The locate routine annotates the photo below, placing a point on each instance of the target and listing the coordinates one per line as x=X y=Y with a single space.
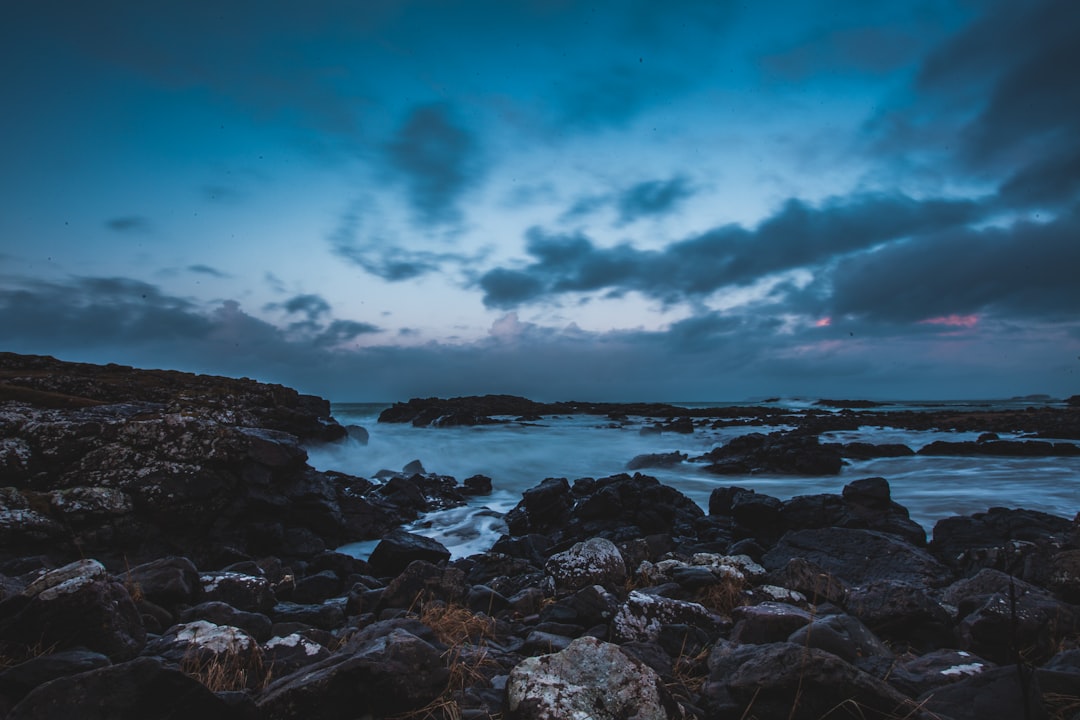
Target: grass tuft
x=235 y=669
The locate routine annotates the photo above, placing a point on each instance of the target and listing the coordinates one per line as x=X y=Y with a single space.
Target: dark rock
x=935 y=669
x=1005 y=693
x=721 y=499
x=652 y=460
x=422 y=582
x=810 y=579
x=775 y=453
x=142 y=689
x=784 y=680
x=17 y=681
x=358 y=433
x=287 y=654
x=244 y=592
x=201 y=643
x=767 y=622
x=74 y=606
x=542 y=508
x=843 y=636
x=476 y=485
x=641 y=616
x=399 y=548
x=859 y=557
x=256 y=625
x=168 y=582
x=594 y=562
x=1005 y=625
x=867 y=451
x=902 y=612
x=326 y=616
x=316 y=588
x=386 y=675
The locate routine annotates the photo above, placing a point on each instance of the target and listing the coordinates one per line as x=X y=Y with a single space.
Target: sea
x=518 y=455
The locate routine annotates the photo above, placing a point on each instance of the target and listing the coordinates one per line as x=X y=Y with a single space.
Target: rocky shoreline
x=166 y=551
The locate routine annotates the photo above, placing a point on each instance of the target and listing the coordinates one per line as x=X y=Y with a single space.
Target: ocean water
x=517 y=456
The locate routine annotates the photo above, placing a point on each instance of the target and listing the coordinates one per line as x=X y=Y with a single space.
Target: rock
x=775 y=453
x=1035 y=624
x=542 y=508
x=902 y=612
x=142 y=689
x=867 y=451
x=843 y=636
x=256 y=625
x=476 y=485
x=594 y=562
x=859 y=557
x=767 y=622
x=422 y=582
x=316 y=587
x=921 y=675
x=358 y=433
x=389 y=674
x=589 y=679
x=864 y=504
x=168 y=581
x=326 y=616
x=17 y=681
x=244 y=592
x=1065 y=575
x=784 y=680
x=811 y=580
x=996 y=528
x=72 y=606
x=660 y=460
x=641 y=617
x=995 y=694
x=286 y=655
x=399 y=548
x=200 y=643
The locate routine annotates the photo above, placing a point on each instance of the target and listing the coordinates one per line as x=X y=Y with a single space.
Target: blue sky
x=560 y=199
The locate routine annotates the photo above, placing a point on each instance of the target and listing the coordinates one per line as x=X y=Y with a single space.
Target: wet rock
x=590 y=679
x=775 y=453
x=476 y=485
x=542 y=508
x=399 y=548
x=653 y=460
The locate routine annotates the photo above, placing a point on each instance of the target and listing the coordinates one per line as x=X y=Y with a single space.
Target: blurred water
x=517 y=456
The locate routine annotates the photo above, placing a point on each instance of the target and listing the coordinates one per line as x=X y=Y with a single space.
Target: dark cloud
x=207 y=270
x=1025 y=270
x=313 y=306
x=999 y=102
x=798 y=235
x=437 y=159
x=654 y=197
x=129 y=224
x=340 y=332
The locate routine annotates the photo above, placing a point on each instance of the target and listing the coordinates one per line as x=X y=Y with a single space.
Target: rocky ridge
x=607 y=598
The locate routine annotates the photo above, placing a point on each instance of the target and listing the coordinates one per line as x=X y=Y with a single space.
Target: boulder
x=250 y=593
x=389 y=674
x=937 y=668
x=168 y=581
x=287 y=654
x=767 y=622
x=641 y=617
x=782 y=453
x=1005 y=693
x=18 y=680
x=842 y=635
x=399 y=548
x=783 y=680
x=903 y=613
x=423 y=582
x=77 y=605
x=859 y=557
x=257 y=625
x=142 y=689
x=594 y=562
x=588 y=679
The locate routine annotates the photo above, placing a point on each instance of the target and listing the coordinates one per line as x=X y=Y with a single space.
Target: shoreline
x=158 y=526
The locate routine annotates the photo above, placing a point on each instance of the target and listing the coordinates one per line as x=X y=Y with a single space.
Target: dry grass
x=234 y=669
x=11 y=656
x=466 y=657
x=1062 y=707
x=722 y=597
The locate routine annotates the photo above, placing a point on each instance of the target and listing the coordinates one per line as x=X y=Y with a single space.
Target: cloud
x=129 y=224
x=312 y=306
x=798 y=235
x=857 y=50
x=1025 y=270
x=437 y=159
x=999 y=103
x=654 y=197
x=207 y=270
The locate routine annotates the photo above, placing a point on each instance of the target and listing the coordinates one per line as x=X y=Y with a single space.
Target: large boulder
x=72 y=606
x=642 y=617
x=858 y=557
x=594 y=562
x=589 y=679
x=389 y=674
x=399 y=548
x=142 y=689
x=775 y=453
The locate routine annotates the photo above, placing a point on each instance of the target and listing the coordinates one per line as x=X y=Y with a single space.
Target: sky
x=609 y=200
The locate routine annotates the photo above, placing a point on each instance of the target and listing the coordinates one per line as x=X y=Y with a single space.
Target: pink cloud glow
x=960 y=321
x=823 y=322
